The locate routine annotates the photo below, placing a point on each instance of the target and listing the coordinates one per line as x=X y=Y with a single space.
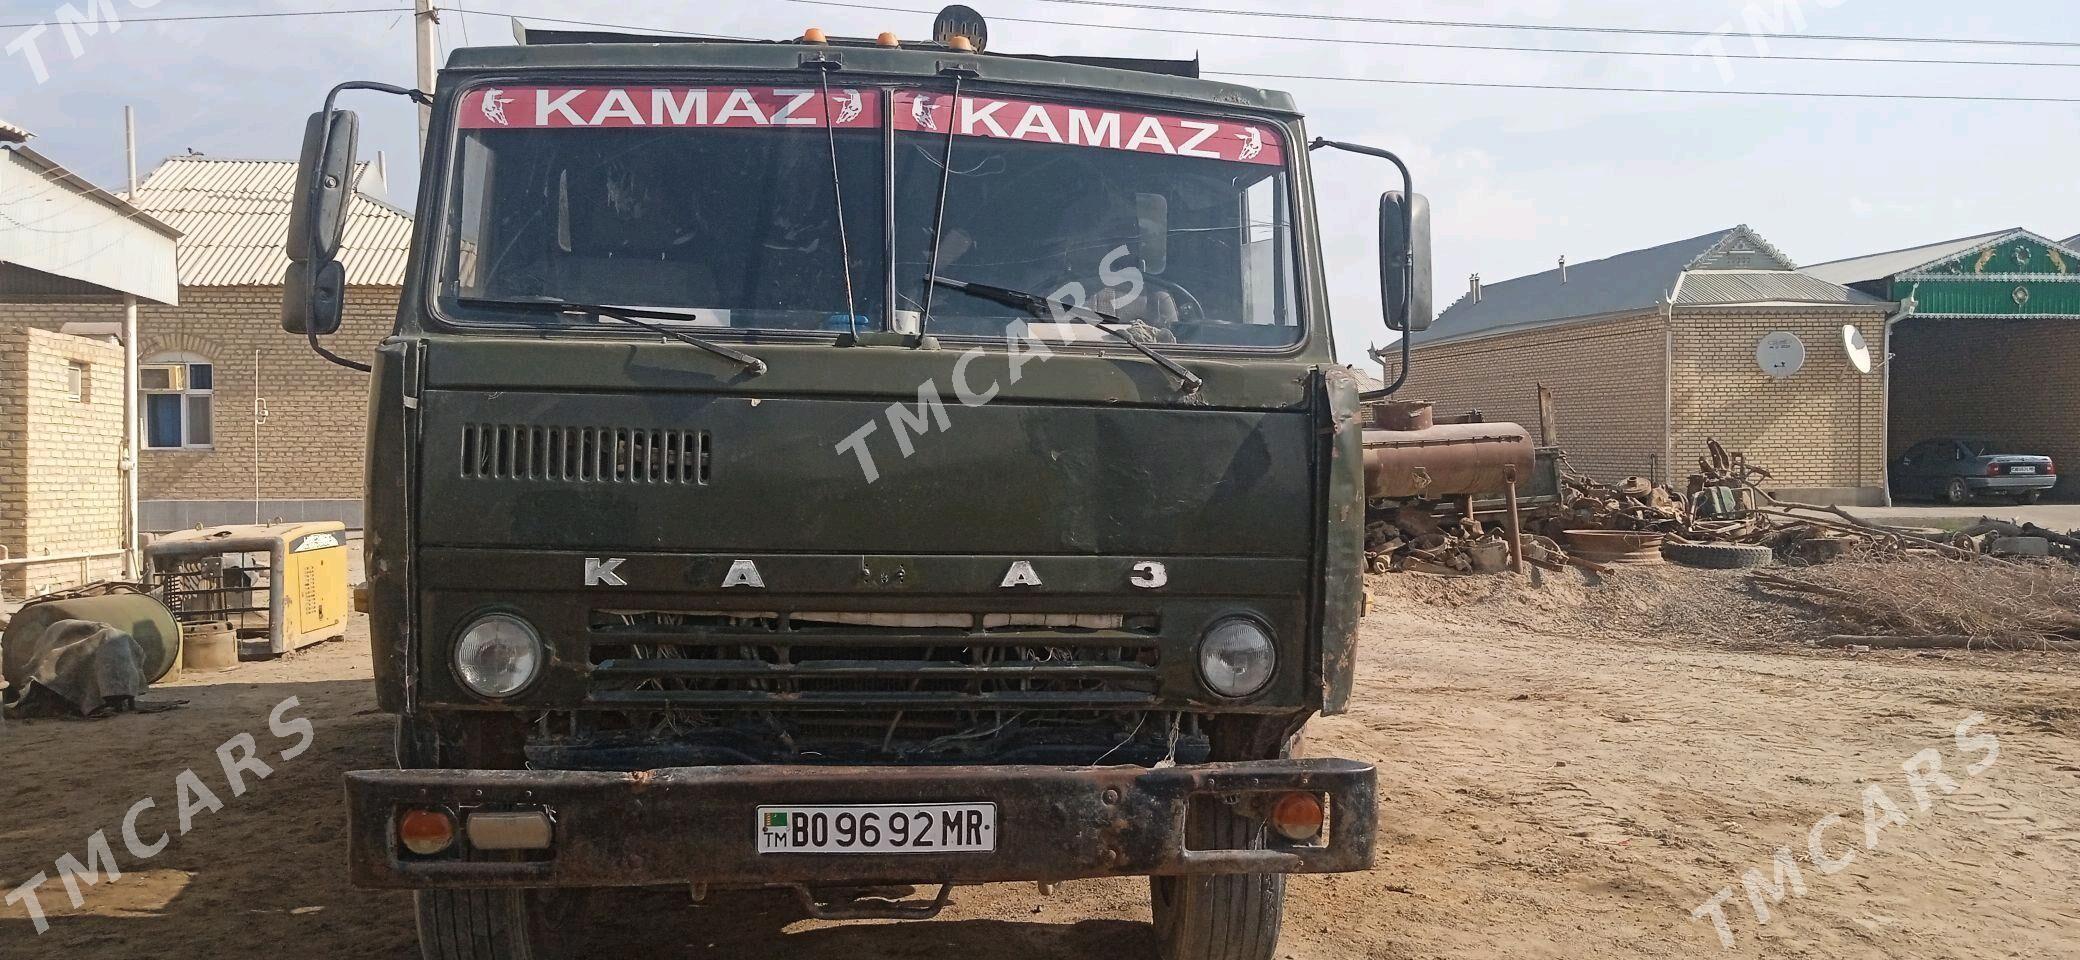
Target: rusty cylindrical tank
x=1446 y=460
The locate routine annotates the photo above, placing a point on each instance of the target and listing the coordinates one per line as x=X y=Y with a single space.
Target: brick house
x=1987 y=342
x=65 y=472
x=61 y=447
x=1650 y=353
x=241 y=421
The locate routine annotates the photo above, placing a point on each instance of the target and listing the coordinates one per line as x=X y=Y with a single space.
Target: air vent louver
x=584 y=454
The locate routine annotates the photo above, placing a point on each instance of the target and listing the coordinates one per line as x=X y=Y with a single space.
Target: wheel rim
x=1958 y=491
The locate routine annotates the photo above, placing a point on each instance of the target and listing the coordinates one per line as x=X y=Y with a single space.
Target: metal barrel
x=1449 y=459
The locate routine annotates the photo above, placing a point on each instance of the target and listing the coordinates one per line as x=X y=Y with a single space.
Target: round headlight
x=498 y=655
x=1236 y=658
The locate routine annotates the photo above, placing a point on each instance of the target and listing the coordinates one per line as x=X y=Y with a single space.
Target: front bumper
x=698 y=824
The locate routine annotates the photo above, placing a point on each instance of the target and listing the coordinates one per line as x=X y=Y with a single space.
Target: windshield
x=721 y=202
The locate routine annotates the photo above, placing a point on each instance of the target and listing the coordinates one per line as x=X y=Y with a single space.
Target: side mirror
x=324 y=175
x=1404 y=261
x=313 y=297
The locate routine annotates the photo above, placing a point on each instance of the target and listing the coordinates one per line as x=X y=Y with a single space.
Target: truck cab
x=825 y=463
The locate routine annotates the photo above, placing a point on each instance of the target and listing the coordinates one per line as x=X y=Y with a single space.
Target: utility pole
x=132 y=565
x=424 y=18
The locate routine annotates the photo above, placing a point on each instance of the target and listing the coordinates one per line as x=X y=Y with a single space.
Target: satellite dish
x=960 y=21
x=1780 y=354
x=1859 y=351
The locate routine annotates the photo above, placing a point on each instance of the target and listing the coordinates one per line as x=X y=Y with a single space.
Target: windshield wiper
x=1043 y=308
x=627 y=315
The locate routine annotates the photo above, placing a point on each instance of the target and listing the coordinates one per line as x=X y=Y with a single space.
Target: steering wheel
x=1189 y=309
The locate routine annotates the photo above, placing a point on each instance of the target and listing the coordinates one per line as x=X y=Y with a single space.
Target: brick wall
x=317 y=413
x=60 y=458
x=1822 y=427
x=2014 y=381
x=1607 y=379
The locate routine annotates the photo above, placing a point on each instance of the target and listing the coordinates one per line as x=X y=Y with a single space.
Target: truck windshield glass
x=1179 y=225
x=720 y=201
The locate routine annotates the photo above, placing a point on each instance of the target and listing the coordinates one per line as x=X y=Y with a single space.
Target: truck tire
x=475 y=925
x=1717 y=556
x=1222 y=917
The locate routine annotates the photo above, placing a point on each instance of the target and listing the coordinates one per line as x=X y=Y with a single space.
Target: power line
x=1552 y=27
x=1432 y=45
x=1583 y=88
x=230 y=16
x=1822 y=94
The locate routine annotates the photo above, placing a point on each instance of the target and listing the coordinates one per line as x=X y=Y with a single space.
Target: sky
x=1516 y=178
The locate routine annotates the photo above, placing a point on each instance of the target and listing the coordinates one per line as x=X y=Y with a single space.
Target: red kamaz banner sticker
x=1004 y=119
x=536 y=108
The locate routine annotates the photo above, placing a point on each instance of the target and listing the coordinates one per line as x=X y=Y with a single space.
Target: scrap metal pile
x=1723 y=503
x=1721 y=517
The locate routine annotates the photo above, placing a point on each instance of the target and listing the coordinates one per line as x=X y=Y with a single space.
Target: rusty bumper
x=698 y=824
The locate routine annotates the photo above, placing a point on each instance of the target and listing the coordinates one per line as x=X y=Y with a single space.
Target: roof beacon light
x=963 y=44
x=814 y=35
x=888 y=39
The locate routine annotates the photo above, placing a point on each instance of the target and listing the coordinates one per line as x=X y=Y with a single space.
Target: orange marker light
x=888 y=39
x=961 y=43
x=1297 y=816
x=426 y=832
x=814 y=35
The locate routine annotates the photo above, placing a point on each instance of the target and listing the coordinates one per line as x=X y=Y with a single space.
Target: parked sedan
x=1957 y=470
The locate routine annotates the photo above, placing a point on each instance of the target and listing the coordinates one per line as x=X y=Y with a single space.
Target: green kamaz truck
x=836 y=464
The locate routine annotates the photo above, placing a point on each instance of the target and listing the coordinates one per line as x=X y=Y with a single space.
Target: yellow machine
x=286 y=582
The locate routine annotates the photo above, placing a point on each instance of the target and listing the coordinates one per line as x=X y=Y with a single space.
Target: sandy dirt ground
x=1564 y=773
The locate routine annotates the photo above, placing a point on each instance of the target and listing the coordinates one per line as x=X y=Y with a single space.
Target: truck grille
x=584 y=454
x=811 y=661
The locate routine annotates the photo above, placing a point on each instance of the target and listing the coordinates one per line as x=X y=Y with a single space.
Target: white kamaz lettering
x=1151 y=131
x=1190 y=148
x=741 y=104
x=785 y=115
x=616 y=104
x=970 y=116
x=1037 y=122
x=664 y=111
x=1083 y=131
x=543 y=107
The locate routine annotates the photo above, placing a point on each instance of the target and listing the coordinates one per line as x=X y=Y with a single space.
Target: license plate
x=2022 y=470
x=889 y=828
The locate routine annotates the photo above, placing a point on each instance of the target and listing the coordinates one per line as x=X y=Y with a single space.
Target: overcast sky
x=1516 y=178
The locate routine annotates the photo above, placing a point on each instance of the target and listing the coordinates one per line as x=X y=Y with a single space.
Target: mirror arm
x=1408 y=260
x=311 y=200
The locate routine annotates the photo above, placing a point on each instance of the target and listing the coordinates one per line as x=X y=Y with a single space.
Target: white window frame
x=78 y=375
x=185 y=390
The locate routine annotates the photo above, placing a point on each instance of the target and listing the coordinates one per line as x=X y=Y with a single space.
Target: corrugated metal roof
x=1762 y=286
x=9 y=133
x=1735 y=265
x=234 y=219
x=2072 y=241
x=1878 y=266
x=55 y=222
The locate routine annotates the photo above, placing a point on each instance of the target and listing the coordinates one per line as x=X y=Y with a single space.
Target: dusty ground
x=1566 y=773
